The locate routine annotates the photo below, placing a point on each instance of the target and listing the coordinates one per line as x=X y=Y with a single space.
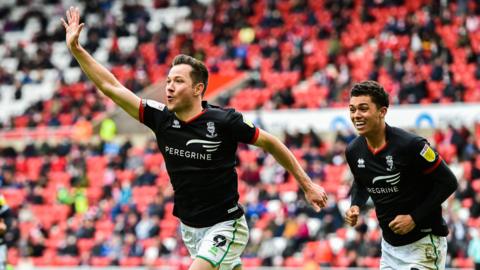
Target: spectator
x=146 y=177
x=69 y=247
x=134 y=249
x=156 y=206
x=86 y=230
x=474 y=248
x=144 y=227
x=100 y=248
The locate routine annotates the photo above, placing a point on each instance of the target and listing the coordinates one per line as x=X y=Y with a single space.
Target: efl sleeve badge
x=427 y=153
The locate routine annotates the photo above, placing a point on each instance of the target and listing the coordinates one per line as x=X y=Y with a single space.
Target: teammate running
x=406 y=179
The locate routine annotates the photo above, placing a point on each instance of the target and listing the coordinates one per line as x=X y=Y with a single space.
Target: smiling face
x=366 y=116
x=181 y=92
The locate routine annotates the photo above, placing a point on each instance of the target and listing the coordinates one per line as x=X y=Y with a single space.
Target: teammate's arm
x=99 y=75
x=314 y=193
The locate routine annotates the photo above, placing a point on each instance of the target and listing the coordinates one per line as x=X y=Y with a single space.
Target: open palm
x=73 y=27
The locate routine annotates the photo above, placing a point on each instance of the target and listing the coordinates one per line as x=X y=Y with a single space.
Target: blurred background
x=87 y=185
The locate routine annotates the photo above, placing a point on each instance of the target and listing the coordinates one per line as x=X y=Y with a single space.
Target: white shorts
x=3 y=256
x=221 y=244
x=429 y=252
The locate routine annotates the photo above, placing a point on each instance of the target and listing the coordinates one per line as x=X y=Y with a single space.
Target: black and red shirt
x=398 y=179
x=200 y=159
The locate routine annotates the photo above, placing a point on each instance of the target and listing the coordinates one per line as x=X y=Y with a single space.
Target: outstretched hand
x=316 y=196
x=73 y=27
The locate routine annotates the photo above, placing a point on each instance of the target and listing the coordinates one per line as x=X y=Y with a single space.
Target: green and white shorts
x=221 y=244
x=429 y=253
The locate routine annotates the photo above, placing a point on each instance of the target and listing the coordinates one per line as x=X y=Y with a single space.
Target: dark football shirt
x=200 y=159
x=396 y=178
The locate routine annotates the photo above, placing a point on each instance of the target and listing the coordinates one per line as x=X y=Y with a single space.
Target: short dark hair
x=372 y=89
x=199 y=71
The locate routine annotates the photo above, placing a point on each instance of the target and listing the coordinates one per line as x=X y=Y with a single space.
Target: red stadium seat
x=42 y=261
x=372 y=262
x=14 y=196
x=85 y=245
x=294 y=262
x=100 y=261
x=130 y=261
x=251 y=262
x=463 y=263
x=66 y=261
x=476 y=185
x=447 y=151
x=12 y=256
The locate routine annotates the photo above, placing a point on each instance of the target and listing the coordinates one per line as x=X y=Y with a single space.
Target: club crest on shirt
x=427 y=153
x=390 y=165
x=211 y=130
x=361 y=163
x=176 y=123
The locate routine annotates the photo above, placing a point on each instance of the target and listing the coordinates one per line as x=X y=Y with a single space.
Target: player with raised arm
x=406 y=179
x=198 y=142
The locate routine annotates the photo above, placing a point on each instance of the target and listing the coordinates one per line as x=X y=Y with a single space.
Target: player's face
x=365 y=115
x=179 y=89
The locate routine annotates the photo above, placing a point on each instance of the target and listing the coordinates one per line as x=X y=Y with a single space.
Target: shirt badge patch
x=248 y=122
x=361 y=163
x=390 y=166
x=155 y=104
x=427 y=153
x=211 y=130
x=176 y=123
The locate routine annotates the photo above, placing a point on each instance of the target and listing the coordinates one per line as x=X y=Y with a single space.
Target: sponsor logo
x=211 y=130
x=210 y=146
x=176 y=123
x=391 y=179
x=186 y=153
x=383 y=190
x=427 y=153
x=155 y=104
x=231 y=210
x=361 y=163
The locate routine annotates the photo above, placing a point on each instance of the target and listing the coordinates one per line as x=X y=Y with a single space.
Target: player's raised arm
x=314 y=193
x=99 y=75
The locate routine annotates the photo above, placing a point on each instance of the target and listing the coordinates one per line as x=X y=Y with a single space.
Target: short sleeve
x=151 y=113
x=425 y=158
x=242 y=129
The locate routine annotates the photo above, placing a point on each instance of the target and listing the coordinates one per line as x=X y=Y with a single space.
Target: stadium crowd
x=422 y=51
x=113 y=203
